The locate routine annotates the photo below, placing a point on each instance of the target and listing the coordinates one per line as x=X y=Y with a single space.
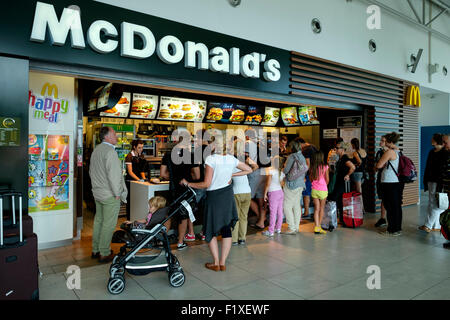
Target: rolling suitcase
x=352 y=204
x=18 y=260
x=11 y=222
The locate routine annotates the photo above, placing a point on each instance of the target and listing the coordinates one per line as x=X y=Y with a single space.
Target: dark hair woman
x=359 y=160
x=430 y=182
x=392 y=188
x=136 y=168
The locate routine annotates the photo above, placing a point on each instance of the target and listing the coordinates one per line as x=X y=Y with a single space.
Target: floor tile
x=261 y=290
x=438 y=292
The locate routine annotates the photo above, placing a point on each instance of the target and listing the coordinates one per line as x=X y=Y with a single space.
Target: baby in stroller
x=150 y=233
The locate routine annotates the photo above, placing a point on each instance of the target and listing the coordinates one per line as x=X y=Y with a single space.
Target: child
x=273 y=192
x=319 y=177
x=154 y=204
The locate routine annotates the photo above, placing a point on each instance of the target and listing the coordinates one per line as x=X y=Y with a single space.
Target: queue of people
x=228 y=189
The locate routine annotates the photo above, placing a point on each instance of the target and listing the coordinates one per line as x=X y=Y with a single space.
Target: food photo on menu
x=254 y=115
x=289 y=116
x=144 y=106
x=181 y=109
x=308 y=115
x=271 y=116
x=226 y=113
x=120 y=109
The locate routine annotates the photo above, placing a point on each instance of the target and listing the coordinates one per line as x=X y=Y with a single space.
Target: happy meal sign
x=47 y=106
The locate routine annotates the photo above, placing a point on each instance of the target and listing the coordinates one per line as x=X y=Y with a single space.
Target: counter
x=141 y=192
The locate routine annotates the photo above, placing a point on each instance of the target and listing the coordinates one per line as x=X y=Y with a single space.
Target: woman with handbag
x=430 y=181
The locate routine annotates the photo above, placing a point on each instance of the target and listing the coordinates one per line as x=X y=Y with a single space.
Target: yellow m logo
x=413 y=96
x=50 y=88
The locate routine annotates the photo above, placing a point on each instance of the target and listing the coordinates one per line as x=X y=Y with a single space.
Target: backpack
x=407 y=172
x=444 y=220
x=297 y=170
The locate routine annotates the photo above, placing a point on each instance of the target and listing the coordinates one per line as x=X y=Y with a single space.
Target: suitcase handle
x=347 y=186
x=12 y=195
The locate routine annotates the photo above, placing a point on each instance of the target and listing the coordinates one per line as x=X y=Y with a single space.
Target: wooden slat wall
x=383 y=97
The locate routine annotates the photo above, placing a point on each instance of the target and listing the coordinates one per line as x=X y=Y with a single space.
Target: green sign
x=120 y=127
x=9 y=132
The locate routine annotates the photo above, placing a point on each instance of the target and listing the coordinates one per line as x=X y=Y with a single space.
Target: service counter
x=141 y=192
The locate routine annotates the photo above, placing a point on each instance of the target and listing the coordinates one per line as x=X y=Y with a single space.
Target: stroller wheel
x=176 y=278
x=116 y=269
x=116 y=285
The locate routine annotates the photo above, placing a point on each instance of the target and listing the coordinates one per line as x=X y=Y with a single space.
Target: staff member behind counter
x=136 y=167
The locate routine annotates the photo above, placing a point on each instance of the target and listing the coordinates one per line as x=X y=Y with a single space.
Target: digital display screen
x=121 y=109
x=254 y=115
x=144 y=106
x=271 y=116
x=308 y=115
x=227 y=113
x=289 y=116
x=180 y=109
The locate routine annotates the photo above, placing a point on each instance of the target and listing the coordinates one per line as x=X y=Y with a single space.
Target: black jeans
x=392 y=200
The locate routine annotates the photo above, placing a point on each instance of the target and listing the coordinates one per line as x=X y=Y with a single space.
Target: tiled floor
x=288 y=267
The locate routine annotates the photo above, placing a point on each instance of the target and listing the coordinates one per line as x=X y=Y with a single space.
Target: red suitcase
x=19 y=270
x=353 y=209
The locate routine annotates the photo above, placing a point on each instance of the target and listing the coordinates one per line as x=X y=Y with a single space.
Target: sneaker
x=424 y=228
x=389 y=234
x=381 y=223
x=241 y=242
x=396 y=234
x=288 y=231
x=277 y=230
x=202 y=237
x=319 y=230
x=267 y=233
x=181 y=246
x=189 y=237
x=234 y=244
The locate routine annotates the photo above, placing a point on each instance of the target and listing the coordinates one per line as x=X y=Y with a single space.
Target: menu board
x=121 y=109
x=228 y=113
x=289 y=116
x=308 y=115
x=104 y=96
x=93 y=102
x=271 y=117
x=144 y=106
x=254 y=115
x=180 y=109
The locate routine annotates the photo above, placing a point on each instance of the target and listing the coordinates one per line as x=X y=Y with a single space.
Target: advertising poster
x=271 y=117
x=289 y=116
x=308 y=115
x=180 y=109
x=227 y=113
x=121 y=109
x=144 y=106
x=254 y=115
x=48 y=172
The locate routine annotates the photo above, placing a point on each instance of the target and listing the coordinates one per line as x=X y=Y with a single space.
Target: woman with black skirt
x=220 y=214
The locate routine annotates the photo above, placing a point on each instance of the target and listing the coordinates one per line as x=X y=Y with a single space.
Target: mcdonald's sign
x=50 y=88
x=413 y=96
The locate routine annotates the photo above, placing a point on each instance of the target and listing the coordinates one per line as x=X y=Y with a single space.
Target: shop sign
x=413 y=96
x=9 y=132
x=330 y=133
x=349 y=122
x=47 y=106
x=121 y=127
x=103 y=37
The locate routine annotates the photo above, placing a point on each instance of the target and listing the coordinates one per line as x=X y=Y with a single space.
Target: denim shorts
x=356 y=176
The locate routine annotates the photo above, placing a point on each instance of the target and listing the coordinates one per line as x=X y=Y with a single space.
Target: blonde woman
x=220 y=214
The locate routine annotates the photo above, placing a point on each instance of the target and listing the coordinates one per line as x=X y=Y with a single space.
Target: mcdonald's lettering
x=413 y=96
x=47 y=106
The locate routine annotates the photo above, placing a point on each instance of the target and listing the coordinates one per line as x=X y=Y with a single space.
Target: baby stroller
x=154 y=236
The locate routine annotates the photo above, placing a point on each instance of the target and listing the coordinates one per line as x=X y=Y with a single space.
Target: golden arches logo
x=413 y=96
x=50 y=89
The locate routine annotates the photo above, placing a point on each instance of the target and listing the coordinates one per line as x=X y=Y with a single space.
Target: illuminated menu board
x=308 y=115
x=289 y=116
x=121 y=109
x=254 y=115
x=227 y=113
x=144 y=106
x=271 y=116
x=180 y=109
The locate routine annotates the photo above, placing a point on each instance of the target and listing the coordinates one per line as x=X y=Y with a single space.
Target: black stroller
x=154 y=236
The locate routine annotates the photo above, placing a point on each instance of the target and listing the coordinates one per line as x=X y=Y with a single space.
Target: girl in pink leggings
x=273 y=192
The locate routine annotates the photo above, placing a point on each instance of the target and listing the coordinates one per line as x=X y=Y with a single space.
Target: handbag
x=442 y=200
x=297 y=170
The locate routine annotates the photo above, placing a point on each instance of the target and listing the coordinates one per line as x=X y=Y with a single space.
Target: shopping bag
x=442 y=200
x=353 y=208
x=329 y=221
